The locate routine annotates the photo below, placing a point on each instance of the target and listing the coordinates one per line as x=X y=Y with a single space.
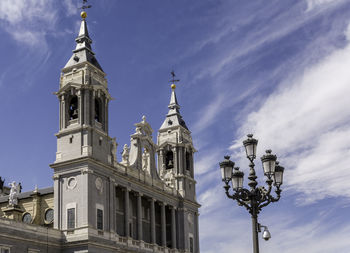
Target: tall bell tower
x=175 y=160
x=176 y=151
x=85 y=152
x=84 y=98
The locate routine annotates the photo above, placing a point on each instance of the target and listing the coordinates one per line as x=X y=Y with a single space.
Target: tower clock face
x=27 y=218
x=49 y=216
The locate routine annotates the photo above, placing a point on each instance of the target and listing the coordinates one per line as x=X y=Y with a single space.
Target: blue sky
x=278 y=69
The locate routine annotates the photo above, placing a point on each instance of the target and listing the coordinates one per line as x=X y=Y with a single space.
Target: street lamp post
x=255 y=198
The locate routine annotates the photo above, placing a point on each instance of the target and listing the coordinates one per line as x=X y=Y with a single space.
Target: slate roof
x=24 y=195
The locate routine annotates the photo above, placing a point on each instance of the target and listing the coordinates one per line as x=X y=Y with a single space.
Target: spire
x=173 y=118
x=83 y=51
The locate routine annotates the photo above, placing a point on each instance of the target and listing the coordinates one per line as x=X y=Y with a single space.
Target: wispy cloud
x=306 y=120
x=312 y=4
x=228 y=228
x=28 y=20
x=71 y=8
x=234 y=52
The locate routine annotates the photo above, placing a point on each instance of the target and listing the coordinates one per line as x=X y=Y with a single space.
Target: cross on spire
x=173 y=80
x=85 y=5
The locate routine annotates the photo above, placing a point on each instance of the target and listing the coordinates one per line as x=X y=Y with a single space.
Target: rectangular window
x=145 y=213
x=71 y=218
x=99 y=219
x=191 y=245
x=4 y=249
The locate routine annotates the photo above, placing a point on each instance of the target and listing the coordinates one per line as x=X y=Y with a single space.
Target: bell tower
x=176 y=151
x=83 y=102
x=175 y=160
x=85 y=152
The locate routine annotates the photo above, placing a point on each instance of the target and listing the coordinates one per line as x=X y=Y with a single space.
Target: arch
x=73 y=108
x=188 y=160
x=98 y=111
x=169 y=159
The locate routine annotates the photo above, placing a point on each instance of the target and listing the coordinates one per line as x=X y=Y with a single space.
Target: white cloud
x=228 y=228
x=347 y=33
x=306 y=121
x=71 y=8
x=208 y=160
x=312 y=4
x=209 y=112
x=28 y=20
x=228 y=58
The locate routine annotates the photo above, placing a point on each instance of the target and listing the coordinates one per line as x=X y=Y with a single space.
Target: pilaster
x=163 y=224
x=173 y=228
x=127 y=213
x=153 y=222
x=139 y=216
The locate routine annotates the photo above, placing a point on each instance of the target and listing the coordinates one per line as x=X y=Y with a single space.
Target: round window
x=27 y=218
x=72 y=182
x=49 y=215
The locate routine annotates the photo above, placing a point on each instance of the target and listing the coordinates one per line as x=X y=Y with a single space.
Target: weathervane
x=173 y=80
x=85 y=6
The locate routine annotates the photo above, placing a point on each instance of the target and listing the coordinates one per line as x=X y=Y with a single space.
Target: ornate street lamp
x=254 y=198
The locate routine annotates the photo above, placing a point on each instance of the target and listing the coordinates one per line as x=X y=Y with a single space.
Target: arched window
x=188 y=160
x=169 y=160
x=73 y=108
x=97 y=110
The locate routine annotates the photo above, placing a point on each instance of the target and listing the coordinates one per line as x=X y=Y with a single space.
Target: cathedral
x=144 y=203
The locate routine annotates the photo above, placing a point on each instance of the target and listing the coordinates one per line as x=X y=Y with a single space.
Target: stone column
x=106 y=116
x=173 y=228
x=175 y=161
x=197 y=232
x=139 y=216
x=163 y=224
x=126 y=212
x=57 y=203
x=153 y=222
x=111 y=205
x=161 y=160
x=92 y=109
x=63 y=112
x=181 y=160
x=87 y=103
x=80 y=107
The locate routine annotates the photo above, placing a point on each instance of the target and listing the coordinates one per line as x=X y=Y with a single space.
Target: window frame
x=26 y=214
x=5 y=247
x=69 y=207
x=99 y=219
x=47 y=210
x=191 y=243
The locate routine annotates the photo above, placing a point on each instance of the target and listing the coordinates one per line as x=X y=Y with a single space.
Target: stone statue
x=125 y=155
x=15 y=190
x=138 y=130
x=145 y=165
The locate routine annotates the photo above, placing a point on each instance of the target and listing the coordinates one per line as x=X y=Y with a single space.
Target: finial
x=83 y=15
x=173 y=80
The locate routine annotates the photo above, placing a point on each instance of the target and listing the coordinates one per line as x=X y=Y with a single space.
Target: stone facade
x=98 y=203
